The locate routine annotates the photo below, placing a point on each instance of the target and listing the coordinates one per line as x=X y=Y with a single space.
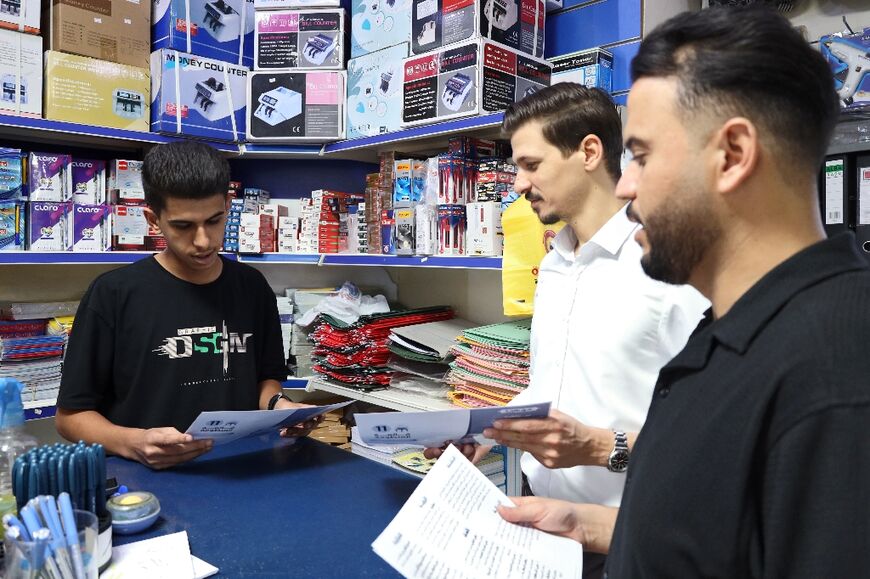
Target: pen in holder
x=51 y=539
x=79 y=470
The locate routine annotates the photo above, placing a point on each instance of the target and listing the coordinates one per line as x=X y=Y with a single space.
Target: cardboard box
x=21 y=68
x=129 y=228
x=377 y=24
x=125 y=181
x=518 y=24
x=592 y=68
x=96 y=92
x=88 y=181
x=484 y=232
x=425 y=230
x=112 y=30
x=296 y=106
x=12 y=232
x=219 y=29
x=20 y=15
x=211 y=96
x=300 y=39
x=405 y=237
x=49 y=177
x=374 y=92
x=478 y=77
x=90 y=228
x=847 y=57
x=13 y=178
x=49 y=226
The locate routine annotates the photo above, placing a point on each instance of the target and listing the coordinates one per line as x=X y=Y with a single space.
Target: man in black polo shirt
x=754 y=460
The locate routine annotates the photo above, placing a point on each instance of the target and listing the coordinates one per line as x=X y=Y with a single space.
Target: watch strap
x=274 y=400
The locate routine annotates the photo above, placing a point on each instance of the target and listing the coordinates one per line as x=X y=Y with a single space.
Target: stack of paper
x=420 y=356
x=382 y=453
x=356 y=354
x=167 y=556
x=491 y=365
x=37 y=310
x=35 y=362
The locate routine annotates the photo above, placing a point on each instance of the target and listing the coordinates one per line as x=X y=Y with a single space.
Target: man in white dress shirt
x=601 y=329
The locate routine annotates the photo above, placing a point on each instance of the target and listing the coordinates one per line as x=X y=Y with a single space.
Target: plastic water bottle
x=13 y=440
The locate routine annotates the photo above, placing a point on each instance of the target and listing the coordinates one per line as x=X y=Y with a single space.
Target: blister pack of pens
x=457 y=179
x=451 y=229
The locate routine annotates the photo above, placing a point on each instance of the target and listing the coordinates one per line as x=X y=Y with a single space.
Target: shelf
x=369 y=260
x=35 y=409
x=393 y=399
x=64 y=133
x=80 y=258
x=426 y=139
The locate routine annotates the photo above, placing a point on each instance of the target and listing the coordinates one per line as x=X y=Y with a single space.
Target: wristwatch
x=274 y=400
x=618 y=459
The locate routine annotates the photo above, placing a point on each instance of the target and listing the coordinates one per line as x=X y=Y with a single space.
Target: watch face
x=618 y=461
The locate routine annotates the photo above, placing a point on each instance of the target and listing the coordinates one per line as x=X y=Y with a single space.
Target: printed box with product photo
x=20 y=74
x=374 y=92
x=219 y=29
x=296 y=106
x=299 y=39
x=378 y=24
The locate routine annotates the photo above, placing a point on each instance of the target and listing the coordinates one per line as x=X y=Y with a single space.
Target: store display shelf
x=64 y=133
x=362 y=259
x=393 y=399
x=82 y=258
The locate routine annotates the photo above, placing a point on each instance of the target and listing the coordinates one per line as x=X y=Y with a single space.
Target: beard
x=545 y=218
x=679 y=235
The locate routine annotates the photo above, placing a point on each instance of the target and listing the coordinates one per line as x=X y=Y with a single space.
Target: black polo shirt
x=755 y=457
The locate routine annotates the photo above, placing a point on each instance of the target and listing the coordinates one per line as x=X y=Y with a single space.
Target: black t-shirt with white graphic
x=148 y=349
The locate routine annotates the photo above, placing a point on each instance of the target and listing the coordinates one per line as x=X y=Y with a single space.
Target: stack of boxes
x=21 y=64
x=130 y=228
x=237 y=206
x=257 y=222
x=297 y=90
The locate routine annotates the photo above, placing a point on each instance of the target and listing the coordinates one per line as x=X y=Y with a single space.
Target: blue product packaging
x=219 y=29
x=12 y=177
x=49 y=225
x=591 y=68
x=88 y=181
x=90 y=229
x=12 y=233
x=849 y=59
x=49 y=177
x=377 y=24
x=197 y=96
x=388 y=232
x=374 y=92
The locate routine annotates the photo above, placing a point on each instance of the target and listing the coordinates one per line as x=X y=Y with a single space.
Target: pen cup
x=27 y=559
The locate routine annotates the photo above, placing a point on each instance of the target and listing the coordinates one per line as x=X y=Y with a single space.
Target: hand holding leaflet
x=227 y=426
x=433 y=429
x=449 y=527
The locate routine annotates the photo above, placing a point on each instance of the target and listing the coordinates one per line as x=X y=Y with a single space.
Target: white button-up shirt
x=601 y=332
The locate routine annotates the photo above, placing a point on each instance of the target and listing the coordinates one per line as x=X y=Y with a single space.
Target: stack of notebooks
x=31 y=357
x=356 y=354
x=419 y=355
x=382 y=453
x=491 y=365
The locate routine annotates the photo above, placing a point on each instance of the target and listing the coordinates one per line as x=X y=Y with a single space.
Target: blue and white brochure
x=435 y=428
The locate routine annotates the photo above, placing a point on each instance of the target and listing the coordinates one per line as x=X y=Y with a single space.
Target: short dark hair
x=569 y=112
x=184 y=170
x=750 y=62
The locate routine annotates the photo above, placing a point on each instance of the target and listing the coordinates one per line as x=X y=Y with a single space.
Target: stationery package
x=479 y=77
x=12 y=174
x=299 y=39
x=484 y=234
x=219 y=29
x=90 y=230
x=88 y=181
x=518 y=24
x=197 y=96
x=112 y=30
x=376 y=24
x=281 y=4
x=12 y=233
x=125 y=182
x=296 y=106
x=49 y=177
x=96 y=92
x=20 y=74
x=374 y=92
x=592 y=68
x=49 y=225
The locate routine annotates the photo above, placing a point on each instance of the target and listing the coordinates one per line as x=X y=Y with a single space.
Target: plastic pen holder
x=29 y=559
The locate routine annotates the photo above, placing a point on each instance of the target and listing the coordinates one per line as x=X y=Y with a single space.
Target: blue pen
x=101 y=479
x=30 y=518
x=48 y=507
x=44 y=482
x=18 y=485
x=52 y=475
x=12 y=522
x=91 y=485
x=72 y=535
x=32 y=479
x=62 y=474
x=82 y=468
x=73 y=477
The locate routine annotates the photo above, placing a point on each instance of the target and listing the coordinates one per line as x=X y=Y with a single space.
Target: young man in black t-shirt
x=159 y=341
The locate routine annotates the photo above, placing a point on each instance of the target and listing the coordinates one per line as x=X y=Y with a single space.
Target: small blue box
x=591 y=68
x=219 y=29
x=12 y=177
x=209 y=90
x=12 y=232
